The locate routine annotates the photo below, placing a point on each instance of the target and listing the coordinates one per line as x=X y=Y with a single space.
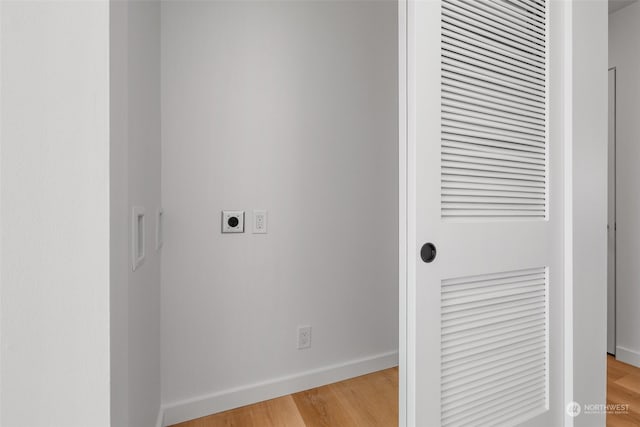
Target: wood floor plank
x=614 y=366
x=621 y=421
x=623 y=387
x=372 y=400
x=630 y=382
x=321 y=407
x=616 y=369
x=281 y=412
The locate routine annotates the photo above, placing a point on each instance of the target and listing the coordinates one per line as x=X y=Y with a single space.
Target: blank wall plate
x=137 y=237
x=259 y=221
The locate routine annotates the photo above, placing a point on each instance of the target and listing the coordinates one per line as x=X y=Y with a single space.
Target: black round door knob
x=428 y=252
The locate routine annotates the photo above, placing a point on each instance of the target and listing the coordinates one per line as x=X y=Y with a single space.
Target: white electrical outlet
x=304 y=337
x=259 y=222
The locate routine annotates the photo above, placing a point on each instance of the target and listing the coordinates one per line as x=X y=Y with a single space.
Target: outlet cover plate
x=259 y=221
x=233 y=221
x=304 y=337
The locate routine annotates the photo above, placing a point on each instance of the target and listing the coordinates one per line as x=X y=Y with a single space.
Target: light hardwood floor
x=366 y=401
x=623 y=387
x=372 y=400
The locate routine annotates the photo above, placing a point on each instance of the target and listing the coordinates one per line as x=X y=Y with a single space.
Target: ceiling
x=615 y=5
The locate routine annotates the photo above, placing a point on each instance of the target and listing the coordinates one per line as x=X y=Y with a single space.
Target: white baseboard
x=628 y=356
x=200 y=406
x=160 y=419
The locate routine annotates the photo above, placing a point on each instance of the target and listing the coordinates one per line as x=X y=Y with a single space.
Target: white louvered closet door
x=485 y=182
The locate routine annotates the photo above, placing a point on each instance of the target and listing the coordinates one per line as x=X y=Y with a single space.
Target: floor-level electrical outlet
x=304 y=337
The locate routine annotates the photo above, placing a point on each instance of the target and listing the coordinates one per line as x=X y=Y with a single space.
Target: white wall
x=587 y=205
x=119 y=208
x=624 y=38
x=54 y=199
x=135 y=181
x=289 y=107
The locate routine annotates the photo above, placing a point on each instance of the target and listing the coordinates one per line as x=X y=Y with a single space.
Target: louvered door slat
x=493 y=345
x=461 y=377
x=477 y=70
x=487 y=160
x=466 y=46
x=494 y=101
x=460 y=128
x=456 y=21
x=516 y=14
x=480 y=311
x=474 y=38
x=498 y=103
x=493 y=123
x=474 y=145
x=479 y=398
x=488 y=130
x=470 y=180
x=499 y=329
x=479 y=109
x=504 y=19
x=494 y=92
x=486 y=66
x=461 y=385
x=535 y=8
x=496 y=213
x=474 y=164
x=459 y=380
x=489 y=413
x=499 y=384
x=502 y=87
x=495 y=21
x=494 y=193
x=480 y=402
x=493 y=155
x=467 y=172
x=466 y=17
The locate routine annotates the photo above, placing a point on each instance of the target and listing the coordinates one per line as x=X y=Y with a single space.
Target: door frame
x=403 y=219
x=584 y=309
x=614 y=225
